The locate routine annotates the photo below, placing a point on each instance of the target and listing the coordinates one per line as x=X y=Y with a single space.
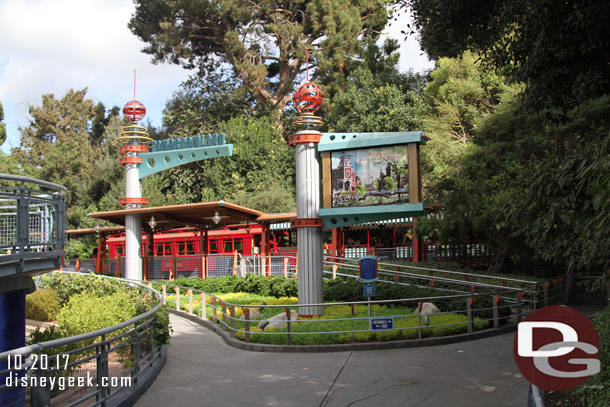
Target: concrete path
x=201 y=370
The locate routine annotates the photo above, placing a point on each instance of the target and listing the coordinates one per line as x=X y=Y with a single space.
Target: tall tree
x=557 y=48
x=263 y=41
x=63 y=144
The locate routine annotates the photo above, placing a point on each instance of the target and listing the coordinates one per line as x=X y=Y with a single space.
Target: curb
x=343 y=347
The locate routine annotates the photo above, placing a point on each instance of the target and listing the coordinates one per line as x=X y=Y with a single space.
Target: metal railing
x=32 y=215
x=32 y=225
x=536 y=294
x=88 y=369
x=250 y=322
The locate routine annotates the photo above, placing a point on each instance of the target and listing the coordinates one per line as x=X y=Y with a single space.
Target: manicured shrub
x=85 y=312
x=42 y=305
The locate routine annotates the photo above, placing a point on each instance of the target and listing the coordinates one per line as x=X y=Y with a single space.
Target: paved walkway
x=201 y=370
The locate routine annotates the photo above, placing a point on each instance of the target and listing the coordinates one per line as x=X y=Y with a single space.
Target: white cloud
x=50 y=46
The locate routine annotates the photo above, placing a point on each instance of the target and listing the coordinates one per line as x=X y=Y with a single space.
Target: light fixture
x=152 y=222
x=216 y=217
x=97 y=227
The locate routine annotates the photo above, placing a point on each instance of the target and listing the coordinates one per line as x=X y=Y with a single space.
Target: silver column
x=309 y=239
x=133 y=224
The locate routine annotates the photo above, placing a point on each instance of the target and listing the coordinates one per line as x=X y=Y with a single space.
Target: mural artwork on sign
x=370 y=176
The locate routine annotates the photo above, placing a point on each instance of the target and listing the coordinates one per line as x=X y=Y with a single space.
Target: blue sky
x=50 y=46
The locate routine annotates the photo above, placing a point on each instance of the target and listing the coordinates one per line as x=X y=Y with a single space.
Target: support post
x=247 y=323
x=469 y=302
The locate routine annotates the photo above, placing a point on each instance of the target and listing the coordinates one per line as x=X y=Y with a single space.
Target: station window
x=181 y=249
x=213 y=246
x=227 y=246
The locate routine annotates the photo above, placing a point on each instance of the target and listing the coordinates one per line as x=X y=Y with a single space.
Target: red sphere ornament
x=134 y=111
x=308 y=98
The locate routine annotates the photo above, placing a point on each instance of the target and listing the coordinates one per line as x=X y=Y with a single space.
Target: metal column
x=309 y=234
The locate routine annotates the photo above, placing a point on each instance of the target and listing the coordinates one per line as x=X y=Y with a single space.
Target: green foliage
x=45 y=335
x=594 y=391
x=366 y=104
x=272 y=286
x=68 y=285
x=85 y=313
x=162 y=330
x=557 y=48
x=561 y=204
x=406 y=324
x=264 y=43
x=42 y=305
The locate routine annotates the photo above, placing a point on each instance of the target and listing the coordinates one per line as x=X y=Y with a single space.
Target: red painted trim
x=130 y=160
x=130 y=148
x=304 y=138
x=306 y=223
x=127 y=201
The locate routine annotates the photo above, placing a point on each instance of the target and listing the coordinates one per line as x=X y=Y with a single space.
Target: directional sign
x=368 y=269
x=381 y=323
x=369 y=290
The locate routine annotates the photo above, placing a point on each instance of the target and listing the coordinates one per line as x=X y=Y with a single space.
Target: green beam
x=157 y=161
x=349 y=141
x=355 y=215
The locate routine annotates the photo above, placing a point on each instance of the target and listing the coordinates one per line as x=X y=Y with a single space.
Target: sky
x=51 y=46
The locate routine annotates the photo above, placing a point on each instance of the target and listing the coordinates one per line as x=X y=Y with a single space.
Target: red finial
x=308 y=97
x=134 y=110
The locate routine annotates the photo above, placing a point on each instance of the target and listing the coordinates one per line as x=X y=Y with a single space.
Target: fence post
x=235 y=263
x=287 y=310
x=335 y=267
x=419 y=319
x=397 y=275
x=145 y=268
x=164 y=293
x=102 y=369
x=190 y=294
x=264 y=266
x=232 y=310
x=247 y=323
x=535 y=296
x=242 y=267
x=77 y=266
x=496 y=300
x=204 y=314
x=545 y=292
x=224 y=312
x=469 y=302
x=118 y=266
x=203 y=269
x=177 y=291
x=40 y=395
x=172 y=268
x=519 y=304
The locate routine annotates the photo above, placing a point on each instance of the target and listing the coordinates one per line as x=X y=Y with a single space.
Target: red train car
x=186 y=242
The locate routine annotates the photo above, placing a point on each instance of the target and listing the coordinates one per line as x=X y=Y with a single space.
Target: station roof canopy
x=179 y=216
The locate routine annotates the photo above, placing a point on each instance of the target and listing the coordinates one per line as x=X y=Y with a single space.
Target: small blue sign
x=381 y=323
x=368 y=269
x=369 y=290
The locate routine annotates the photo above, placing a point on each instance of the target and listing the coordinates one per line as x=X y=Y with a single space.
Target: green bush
x=85 y=312
x=69 y=284
x=595 y=390
x=42 y=305
x=273 y=286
